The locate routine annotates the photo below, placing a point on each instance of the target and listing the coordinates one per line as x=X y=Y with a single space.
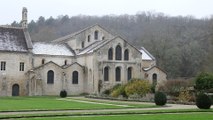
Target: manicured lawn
x=182 y=116
x=51 y=103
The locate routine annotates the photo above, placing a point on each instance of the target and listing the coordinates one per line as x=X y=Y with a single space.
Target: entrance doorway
x=15 y=90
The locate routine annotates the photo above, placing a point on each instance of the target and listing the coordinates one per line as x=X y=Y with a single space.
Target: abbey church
x=80 y=62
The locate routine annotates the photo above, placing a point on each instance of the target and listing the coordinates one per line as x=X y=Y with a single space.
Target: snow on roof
x=12 y=39
x=51 y=49
x=146 y=55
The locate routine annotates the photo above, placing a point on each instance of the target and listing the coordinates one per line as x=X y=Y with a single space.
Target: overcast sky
x=10 y=10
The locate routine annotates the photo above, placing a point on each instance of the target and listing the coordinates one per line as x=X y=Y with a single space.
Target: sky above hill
x=10 y=10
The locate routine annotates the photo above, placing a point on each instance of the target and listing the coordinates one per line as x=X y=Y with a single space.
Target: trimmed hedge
x=160 y=98
x=63 y=93
x=203 y=101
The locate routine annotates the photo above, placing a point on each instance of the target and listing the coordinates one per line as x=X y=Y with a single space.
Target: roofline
x=64 y=38
x=9 y=26
x=148 y=53
x=120 y=38
x=154 y=67
x=57 y=65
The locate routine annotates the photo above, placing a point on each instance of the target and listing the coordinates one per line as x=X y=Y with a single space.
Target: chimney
x=24 y=17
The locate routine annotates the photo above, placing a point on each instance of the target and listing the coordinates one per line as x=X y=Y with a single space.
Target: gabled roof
x=14 y=39
x=146 y=55
x=62 y=39
x=43 y=48
x=99 y=44
x=62 y=67
x=150 y=68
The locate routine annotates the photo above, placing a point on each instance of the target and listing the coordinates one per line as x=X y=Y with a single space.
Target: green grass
x=182 y=116
x=51 y=103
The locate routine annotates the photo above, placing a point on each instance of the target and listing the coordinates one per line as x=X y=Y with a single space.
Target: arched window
x=110 y=54
x=106 y=74
x=88 y=38
x=118 y=74
x=96 y=35
x=75 y=77
x=50 y=77
x=129 y=73
x=118 y=52
x=82 y=44
x=126 y=54
x=65 y=62
x=42 y=61
x=154 y=79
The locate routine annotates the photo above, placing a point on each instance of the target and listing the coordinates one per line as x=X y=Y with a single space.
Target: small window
x=103 y=38
x=110 y=54
x=3 y=65
x=82 y=44
x=118 y=74
x=154 y=79
x=50 y=77
x=42 y=61
x=75 y=77
x=96 y=35
x=106 y=74
x=88 y=38
x=126 y=54
x=65 y=62
x=129 y=73
x=21 y=67
x=118 y=52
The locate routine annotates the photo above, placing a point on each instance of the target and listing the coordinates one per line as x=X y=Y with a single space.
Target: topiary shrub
x=160 y=98
x=203 y=101
x=63 y=93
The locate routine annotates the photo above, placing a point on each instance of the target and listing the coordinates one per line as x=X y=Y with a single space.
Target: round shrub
x=203 y=101
x=118 y=90
x=160 y=98
x=63 y=93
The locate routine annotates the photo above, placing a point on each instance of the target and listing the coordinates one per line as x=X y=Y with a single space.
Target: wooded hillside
x=183 y=46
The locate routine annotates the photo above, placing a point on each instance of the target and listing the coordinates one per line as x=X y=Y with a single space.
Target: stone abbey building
x=78 y=63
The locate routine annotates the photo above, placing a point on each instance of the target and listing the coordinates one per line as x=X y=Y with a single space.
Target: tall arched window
x=106 y=74
x=82 y=44
x=42 y=61
x=75 y=77
x=50 y=77
x=65 y=62
x=118 y=52
x=129 y=73
x=154 y=79
x=110 y=54
x=88 y=38
x=118 y=74
x=96 y=35
x=126 y=54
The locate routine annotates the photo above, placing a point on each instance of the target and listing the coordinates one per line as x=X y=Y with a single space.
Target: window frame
x=50 y=74
x=118 y=52
x=3 y=65
x=21 y=66
x=75 y=77
x=118 y=74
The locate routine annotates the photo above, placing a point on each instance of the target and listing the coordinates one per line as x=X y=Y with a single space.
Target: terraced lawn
x=55 y=103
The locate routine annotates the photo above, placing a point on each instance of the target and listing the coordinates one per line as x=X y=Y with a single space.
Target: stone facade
x=87 y=61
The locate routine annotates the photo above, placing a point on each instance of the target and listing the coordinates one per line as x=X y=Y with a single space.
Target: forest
x=182 y=45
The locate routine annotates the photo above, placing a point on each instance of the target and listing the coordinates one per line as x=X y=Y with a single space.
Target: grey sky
x=10 y=10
